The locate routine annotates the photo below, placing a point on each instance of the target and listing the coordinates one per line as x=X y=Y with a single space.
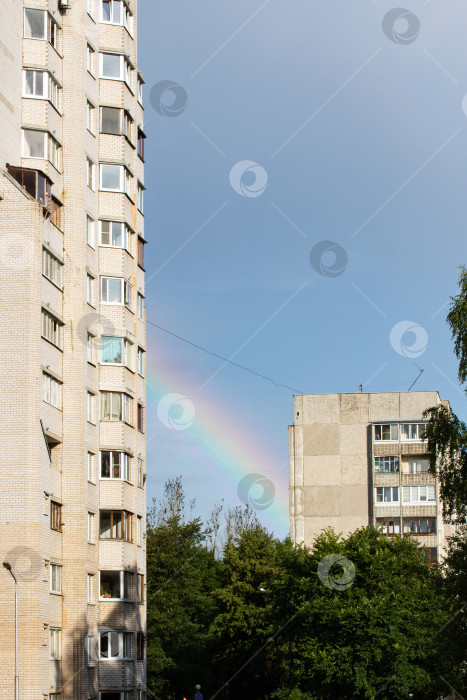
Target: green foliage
x=457 y=320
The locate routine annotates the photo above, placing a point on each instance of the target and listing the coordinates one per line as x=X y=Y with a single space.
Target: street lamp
x=7 y=566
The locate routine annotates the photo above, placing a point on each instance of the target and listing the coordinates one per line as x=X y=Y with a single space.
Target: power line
x=225 y=359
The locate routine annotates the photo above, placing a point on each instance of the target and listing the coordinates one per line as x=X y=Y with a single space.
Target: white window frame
x=90 y=348
x=55 y=578
x=428 y=491
x=90 y=117
x=125 y=234
x=90 y=467
x=51 y=31
x=393 y=489
x=422 y=461
x=139 y=530
x=394 y=432
x=387 y=460
x=140 y=362
x=51 y=390
x=90 y=289
x=90 y=588
x=140 y=473
x=45 y=142
x=140 y=306
x=139 y=90
x=124 y=67
x=125 y=292
x=91 y=407
x=124 y=178
x=140 y=197
x=91 y=528
x=90 y=174
x=90 y=8
x=51 y=328
x=45 y=84
x=90 y=59
x=414 y=430
x=124 y=645
x=126 y=16
x=90 y=228
x=126 y=403
x=125 y=464
x=125 y=347
x=124 y=585
x=52 y=268
x=55 y=643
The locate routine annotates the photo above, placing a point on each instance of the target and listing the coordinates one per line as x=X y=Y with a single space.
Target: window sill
x=92 y=482
x=59 y=595
x=93 y=364
x=91 y=132
x=91 y=74
x=93 y=306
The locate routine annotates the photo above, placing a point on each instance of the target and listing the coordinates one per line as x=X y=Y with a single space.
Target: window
x=51 y=390
x=388 y=527
x=139 y=588
x=91 y=467
x=51 y=267
x=140 y=200
x=140 y=306
x=90 y=348
x=140 y=476
x=55 y=516
x=114 y=645
x=90 y=58
x=140 y=418
x=140 y=252
x=419 y=466
x=55 y=578
x=115 y=465
x=116 y=12
x=54 y=93
x=90 y=289
x=115 y=290
x=90 y=174
x=114 y=66
x=54 y=152
x=141 y=138
x=419 y=494
x=110 y=120
x=127 y=121
x=115 y=525
x=114 y=234
x=116 y=585
x=35 y=83
x=387 y=494
x=34 y=143
x=420 y=526
x=90 y=7
x=386 y=464
x=90 y=111
x=140 y=646
x=38 y=185
x=141 y=362
x=430 y=555
x=89 y=646
x=139 y=531
x=90 y=588
x=412 y=431
x=90 y=223
x=389 y=431
x=90 y=527
x=51 y=328
x=90 y=407
x=140 y=90
x=115 y=178
x=55 y=643
x=38 y=24
x=116 y=406
x=114 y=350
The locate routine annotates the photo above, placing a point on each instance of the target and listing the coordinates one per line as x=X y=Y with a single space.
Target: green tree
x=181 y=574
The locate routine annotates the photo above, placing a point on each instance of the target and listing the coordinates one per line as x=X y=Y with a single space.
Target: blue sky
x=360 y=140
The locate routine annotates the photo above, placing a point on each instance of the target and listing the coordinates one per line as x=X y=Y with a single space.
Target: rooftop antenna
x=360 y=388
x=417 y=377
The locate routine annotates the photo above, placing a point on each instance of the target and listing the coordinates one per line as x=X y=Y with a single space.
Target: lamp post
x=7 y=566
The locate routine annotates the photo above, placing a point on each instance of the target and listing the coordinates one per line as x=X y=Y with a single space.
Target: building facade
x=359 y=460
x=72 y=358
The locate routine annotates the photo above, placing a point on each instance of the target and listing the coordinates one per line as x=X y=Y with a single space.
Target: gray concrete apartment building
x=358 y=460
x=72 y=358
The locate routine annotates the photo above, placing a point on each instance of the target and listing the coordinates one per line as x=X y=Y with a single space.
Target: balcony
x=35 y=182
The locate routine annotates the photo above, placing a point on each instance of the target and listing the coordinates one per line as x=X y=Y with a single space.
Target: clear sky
x=307 y=195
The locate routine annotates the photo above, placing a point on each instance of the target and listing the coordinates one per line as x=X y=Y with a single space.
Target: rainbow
x=229 y=452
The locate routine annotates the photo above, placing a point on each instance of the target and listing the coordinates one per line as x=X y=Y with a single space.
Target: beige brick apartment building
x=359 y=460
x=72 y=358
